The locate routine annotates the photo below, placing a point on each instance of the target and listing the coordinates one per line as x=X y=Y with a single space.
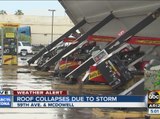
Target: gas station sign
x=9 y=35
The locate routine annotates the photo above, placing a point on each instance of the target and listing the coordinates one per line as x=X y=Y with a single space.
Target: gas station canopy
x=128 y=13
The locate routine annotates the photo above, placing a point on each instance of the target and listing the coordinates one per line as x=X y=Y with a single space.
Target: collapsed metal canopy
x=128 y=13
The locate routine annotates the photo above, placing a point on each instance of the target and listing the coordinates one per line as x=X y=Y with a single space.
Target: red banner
x=95 y=75
x=100 y=38
x=134 y=40
x=144 y=40
x=69 y=40
x=63 y=64
x=40 y=92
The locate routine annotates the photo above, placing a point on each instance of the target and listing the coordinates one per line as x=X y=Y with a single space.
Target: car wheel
x=23 y=53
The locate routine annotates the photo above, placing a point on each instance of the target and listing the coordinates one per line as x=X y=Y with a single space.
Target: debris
x=24 y=71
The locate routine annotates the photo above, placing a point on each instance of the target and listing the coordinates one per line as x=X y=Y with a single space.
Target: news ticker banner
x=55 y=98
x=60 y=98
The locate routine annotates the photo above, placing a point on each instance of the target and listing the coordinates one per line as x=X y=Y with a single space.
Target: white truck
x=24 y=48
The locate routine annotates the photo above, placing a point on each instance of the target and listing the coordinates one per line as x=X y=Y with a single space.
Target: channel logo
x=153 y=96
x=154 y=99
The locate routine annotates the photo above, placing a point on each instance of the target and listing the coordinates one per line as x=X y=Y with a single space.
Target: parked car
x=24 y=48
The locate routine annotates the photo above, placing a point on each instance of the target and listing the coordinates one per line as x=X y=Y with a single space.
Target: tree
x=3 y=12
x=19 y=12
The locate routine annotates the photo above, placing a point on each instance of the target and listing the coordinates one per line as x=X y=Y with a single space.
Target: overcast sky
x=39 y=8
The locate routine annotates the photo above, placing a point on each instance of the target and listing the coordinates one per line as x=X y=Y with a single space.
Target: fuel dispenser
x=9 y=44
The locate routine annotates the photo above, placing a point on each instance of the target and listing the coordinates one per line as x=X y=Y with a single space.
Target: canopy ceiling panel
x=127 y=13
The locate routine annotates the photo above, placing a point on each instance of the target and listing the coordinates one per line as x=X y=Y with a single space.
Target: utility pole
x=52 y=10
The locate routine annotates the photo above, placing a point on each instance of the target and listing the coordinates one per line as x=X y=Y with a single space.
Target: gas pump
x=9 y=44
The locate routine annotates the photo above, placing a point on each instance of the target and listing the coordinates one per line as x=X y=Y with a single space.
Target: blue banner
x=79 y=98
x=5 y=101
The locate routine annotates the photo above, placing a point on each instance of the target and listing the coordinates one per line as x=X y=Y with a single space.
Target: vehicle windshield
x=26 y=44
